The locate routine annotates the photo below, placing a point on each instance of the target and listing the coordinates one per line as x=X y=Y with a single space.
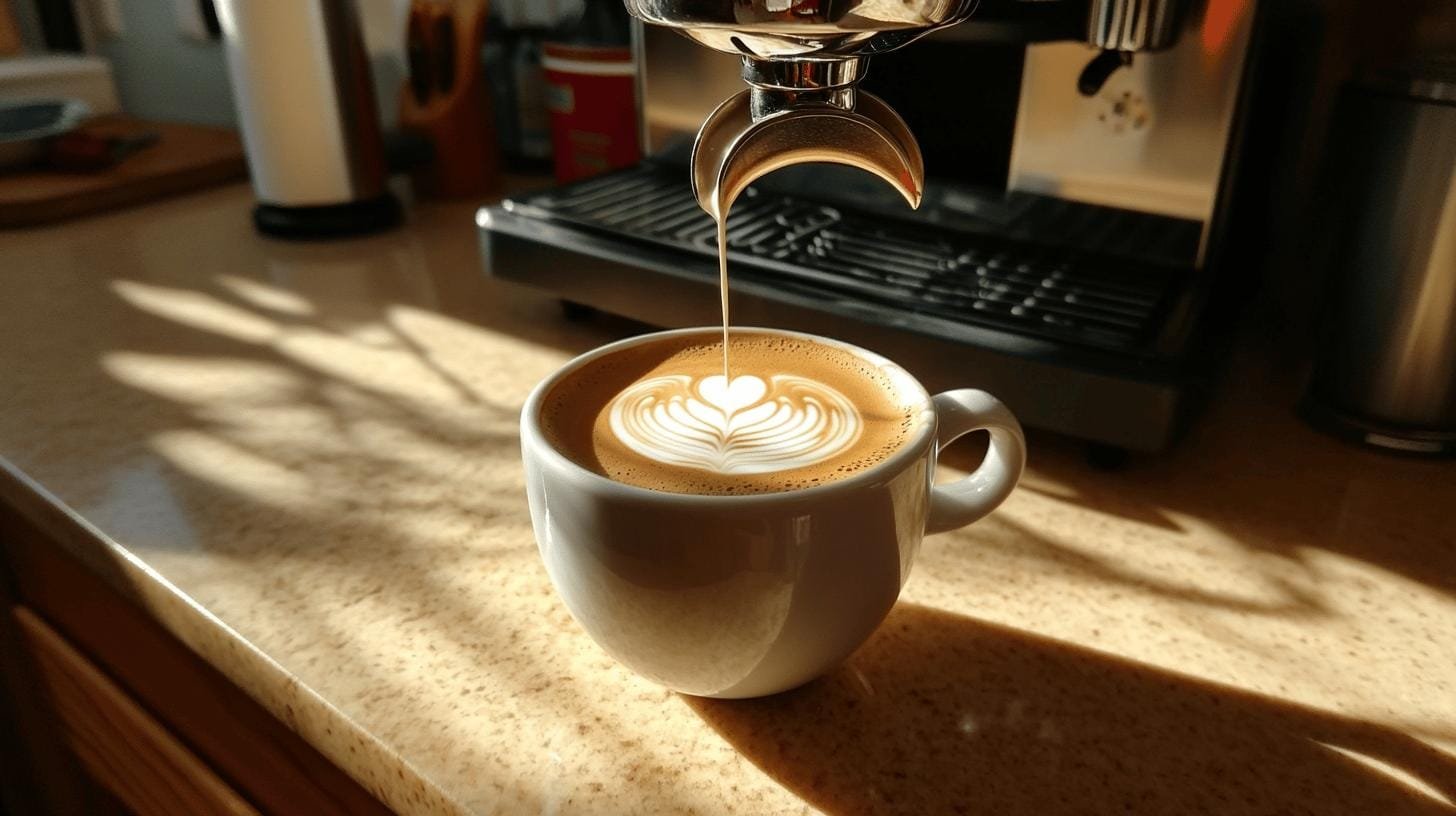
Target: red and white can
x=591 y=92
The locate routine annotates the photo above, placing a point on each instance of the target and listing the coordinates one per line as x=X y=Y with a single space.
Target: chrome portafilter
x=802 y=61
x=733 y=149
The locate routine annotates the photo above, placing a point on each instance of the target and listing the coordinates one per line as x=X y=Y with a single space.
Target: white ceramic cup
x=741 y=596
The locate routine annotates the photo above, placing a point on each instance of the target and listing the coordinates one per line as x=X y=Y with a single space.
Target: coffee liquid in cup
x=796 y=414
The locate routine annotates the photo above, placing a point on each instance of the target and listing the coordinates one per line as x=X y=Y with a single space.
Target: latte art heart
x=749 y=425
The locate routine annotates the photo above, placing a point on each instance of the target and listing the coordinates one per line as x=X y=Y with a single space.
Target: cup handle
x=961 y=502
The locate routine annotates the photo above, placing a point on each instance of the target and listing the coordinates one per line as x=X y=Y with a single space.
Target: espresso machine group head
x=803 y=61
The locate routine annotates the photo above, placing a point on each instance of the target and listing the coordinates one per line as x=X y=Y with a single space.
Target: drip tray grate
x=1058 y=293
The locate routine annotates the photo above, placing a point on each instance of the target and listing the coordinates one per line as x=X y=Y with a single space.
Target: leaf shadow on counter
x=1250 y=470
x=295 y=438
x=940 y=713
x=1296 y=496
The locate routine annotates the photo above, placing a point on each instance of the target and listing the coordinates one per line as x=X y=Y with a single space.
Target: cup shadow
x=940 y=713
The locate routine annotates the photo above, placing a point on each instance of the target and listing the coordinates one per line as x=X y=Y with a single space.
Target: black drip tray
x=1056 y=293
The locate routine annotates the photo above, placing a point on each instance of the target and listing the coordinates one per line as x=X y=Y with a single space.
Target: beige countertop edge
x=343 y=741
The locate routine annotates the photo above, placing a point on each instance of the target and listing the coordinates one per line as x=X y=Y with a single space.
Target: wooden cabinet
x=106 y=712
x=121 y=746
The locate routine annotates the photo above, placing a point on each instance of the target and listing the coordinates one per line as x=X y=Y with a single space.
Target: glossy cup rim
x=535 y=442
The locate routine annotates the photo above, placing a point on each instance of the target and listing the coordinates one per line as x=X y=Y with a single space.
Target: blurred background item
x=591 y=92
x=93 y=150
x=306 y=105
x=1385 y=371
x=87 y=79
x=26 y=125
x=513 y=63
x=116 y=161
x=11 y=43
x=73 y=144
x=446 y=100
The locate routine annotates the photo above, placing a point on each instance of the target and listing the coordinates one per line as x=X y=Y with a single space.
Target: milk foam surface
x=796 y=414
x=751 y=425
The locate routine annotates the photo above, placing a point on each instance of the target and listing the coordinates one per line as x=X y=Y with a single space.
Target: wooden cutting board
x=185 y=158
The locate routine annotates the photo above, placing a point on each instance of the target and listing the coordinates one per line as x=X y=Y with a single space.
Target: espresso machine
x=1046 y=212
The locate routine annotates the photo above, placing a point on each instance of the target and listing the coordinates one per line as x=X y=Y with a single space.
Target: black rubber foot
x=577 y=312
x=1388 y=438
x=1107 y=457
x=329 y=221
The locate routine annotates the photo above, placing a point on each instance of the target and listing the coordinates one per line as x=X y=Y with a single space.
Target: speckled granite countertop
x=302 y=458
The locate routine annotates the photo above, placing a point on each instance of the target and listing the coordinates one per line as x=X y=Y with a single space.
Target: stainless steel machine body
x=1068 y=261
x=1385 y=374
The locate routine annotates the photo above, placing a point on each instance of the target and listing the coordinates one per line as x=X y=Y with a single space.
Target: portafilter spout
x=733 y=148
x=802 y=60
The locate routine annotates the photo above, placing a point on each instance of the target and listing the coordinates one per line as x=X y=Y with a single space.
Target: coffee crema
x=661 y=415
